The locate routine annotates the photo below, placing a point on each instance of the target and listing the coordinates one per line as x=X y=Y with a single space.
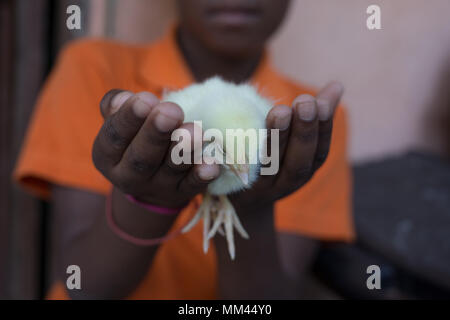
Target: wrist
x=169 y=203
x=258 y=221
x=154 y=208
x=255 y=251
x=255 y=210
x=137 y=220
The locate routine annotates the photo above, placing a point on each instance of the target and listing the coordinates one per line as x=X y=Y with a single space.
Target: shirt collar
x=166 y=68
x=164 y=64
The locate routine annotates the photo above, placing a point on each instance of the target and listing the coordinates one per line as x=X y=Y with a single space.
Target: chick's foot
x=218 y=211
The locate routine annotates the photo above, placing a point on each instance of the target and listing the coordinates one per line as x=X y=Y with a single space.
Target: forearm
x=256 y=273
x=110 y=266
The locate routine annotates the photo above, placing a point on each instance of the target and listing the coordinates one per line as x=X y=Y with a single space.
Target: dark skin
x=131 y=151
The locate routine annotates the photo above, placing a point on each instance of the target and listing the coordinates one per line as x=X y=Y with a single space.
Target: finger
x=299 y=156
x=278 y=118
x=198 y=178
x=146 y=152
x=119 y=96
x=183 y=150
x=328 y=99
x=115 y=98
x=323 y=144
x=118 y=131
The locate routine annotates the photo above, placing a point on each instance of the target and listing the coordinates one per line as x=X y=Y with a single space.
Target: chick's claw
x=206 y=223
x=219 y=211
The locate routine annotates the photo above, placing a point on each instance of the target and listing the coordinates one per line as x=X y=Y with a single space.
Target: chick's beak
x=241 y=171
x=244 y=177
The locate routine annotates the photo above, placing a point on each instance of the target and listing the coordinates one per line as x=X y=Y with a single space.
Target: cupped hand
x=304 y=141
x=133 y=150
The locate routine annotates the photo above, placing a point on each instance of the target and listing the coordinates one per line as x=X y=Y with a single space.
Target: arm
x=111 y=267
x=269 y=265
x=132 y=150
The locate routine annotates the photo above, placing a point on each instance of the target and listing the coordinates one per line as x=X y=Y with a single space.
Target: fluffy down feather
x=223 y=105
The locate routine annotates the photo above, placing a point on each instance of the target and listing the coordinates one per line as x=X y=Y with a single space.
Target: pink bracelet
x=153 y=208
x=128 y=237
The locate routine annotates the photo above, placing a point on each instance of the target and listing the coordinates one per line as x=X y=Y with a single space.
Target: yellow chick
x=236 y=113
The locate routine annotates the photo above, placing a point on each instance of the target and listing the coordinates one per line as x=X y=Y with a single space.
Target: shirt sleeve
x=322 y=208
x=57 y=147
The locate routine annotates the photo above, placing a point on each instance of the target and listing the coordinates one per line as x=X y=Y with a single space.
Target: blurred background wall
x=397 y=81
x=32 y=33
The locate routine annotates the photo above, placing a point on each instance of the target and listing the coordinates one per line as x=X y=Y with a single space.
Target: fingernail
x=148 y=98
x=324 y=109
x=164 y=123
x=282 y=123
x=119 y=100
x=306 y=109
x=141 y=109
x=207 y=172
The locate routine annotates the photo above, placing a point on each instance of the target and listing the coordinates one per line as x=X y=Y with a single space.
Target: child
x=76 y=155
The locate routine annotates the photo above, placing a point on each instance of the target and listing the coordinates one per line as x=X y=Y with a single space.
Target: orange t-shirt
x=57 y=150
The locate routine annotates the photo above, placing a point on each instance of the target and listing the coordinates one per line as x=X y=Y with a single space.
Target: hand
x=305 y=136
x=132 y=150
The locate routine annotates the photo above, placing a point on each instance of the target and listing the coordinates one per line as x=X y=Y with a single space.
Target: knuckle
x=126 y=116
x=307 y=135
x=156 y=139
x=113 y=136
x=126 y=185
x=137 y=163
x=321 y=158
x=195 y=184
x=326 y=134
x=172 y=169
x=285 y=193
x=124 y=182
x=98 y=158
x=302 y=174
